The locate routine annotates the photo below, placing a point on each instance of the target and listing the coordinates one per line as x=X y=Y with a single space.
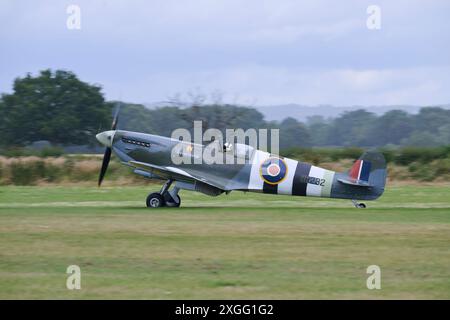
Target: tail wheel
x=155 y=200
x=357 y=204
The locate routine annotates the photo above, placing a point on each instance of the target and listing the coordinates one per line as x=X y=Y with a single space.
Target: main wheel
x=155 y=200
x=361 y=205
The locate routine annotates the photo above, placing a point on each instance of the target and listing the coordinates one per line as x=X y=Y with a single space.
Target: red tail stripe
x=354 y=171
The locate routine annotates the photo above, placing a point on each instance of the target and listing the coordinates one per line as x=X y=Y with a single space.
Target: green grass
x=232 y=246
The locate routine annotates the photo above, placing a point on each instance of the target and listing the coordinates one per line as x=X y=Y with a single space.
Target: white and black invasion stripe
x=298 y=178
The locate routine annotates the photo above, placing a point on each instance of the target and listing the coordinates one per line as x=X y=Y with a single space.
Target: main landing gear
x=165 y=197
x=359 y=205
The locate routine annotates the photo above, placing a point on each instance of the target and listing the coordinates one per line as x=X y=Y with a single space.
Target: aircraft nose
x=106 y=137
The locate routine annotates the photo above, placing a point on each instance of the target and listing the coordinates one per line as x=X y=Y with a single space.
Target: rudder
x=370 y=168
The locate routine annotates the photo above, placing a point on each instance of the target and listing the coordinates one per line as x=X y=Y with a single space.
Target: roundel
x=273 y=170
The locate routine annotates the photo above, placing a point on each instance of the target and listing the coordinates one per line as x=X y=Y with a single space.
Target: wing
x=169 y=173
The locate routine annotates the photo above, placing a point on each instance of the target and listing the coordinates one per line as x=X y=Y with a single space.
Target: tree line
x=58 y=107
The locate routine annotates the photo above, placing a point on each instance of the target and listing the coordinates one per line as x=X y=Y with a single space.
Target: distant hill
x=301 y=112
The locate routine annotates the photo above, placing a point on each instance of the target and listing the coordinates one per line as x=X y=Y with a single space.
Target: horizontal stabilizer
x=358 y=183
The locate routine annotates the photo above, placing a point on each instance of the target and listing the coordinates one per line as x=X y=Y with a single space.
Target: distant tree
x=58 y=107
x=226 y=116
x=164 y=120
x=54 y=106
x=444 y=134
x=293 y=134
x=430 y=119
x=167 y=119
x=3 y=126
x=392 y=127
x=355 y=128
x=318 y=128
x=134 y=117
x=221 y=117
x=352 y=128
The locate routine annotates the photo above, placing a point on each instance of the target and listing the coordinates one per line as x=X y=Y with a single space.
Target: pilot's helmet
x=227 y=146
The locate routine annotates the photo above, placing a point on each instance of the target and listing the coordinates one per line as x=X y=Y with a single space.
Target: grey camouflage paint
x=301 y=179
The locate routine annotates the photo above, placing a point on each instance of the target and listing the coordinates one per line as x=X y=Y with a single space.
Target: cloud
x=261 y=85
x=267 y=51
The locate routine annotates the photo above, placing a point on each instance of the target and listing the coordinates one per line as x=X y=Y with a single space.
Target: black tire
x=362 y=206
x=155 y=200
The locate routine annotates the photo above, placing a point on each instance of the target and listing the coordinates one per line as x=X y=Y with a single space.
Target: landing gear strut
x=165 y=197
x=359 y=205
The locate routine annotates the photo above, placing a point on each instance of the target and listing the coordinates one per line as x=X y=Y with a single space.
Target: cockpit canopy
x=239 y=150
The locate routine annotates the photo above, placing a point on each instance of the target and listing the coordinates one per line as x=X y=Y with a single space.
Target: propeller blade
x=108 y=151
x=106 y=158
x=116 y=119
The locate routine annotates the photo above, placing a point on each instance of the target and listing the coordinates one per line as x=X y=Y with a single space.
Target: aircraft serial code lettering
x=312 y=180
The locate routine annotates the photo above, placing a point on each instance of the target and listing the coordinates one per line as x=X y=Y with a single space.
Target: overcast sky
x=250 y=51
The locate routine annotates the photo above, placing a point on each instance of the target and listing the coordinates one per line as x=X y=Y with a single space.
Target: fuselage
x=260 y=172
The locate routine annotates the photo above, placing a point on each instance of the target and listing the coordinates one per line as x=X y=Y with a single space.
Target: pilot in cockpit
x=227 y=147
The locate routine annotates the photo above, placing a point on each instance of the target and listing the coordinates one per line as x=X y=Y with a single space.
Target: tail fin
x=368 y=171
x=360 y=170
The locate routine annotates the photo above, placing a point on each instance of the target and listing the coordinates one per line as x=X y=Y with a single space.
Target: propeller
x=108 y=150
x=105 y=163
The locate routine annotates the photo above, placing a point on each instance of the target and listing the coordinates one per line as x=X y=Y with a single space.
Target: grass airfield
x=237 y=246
